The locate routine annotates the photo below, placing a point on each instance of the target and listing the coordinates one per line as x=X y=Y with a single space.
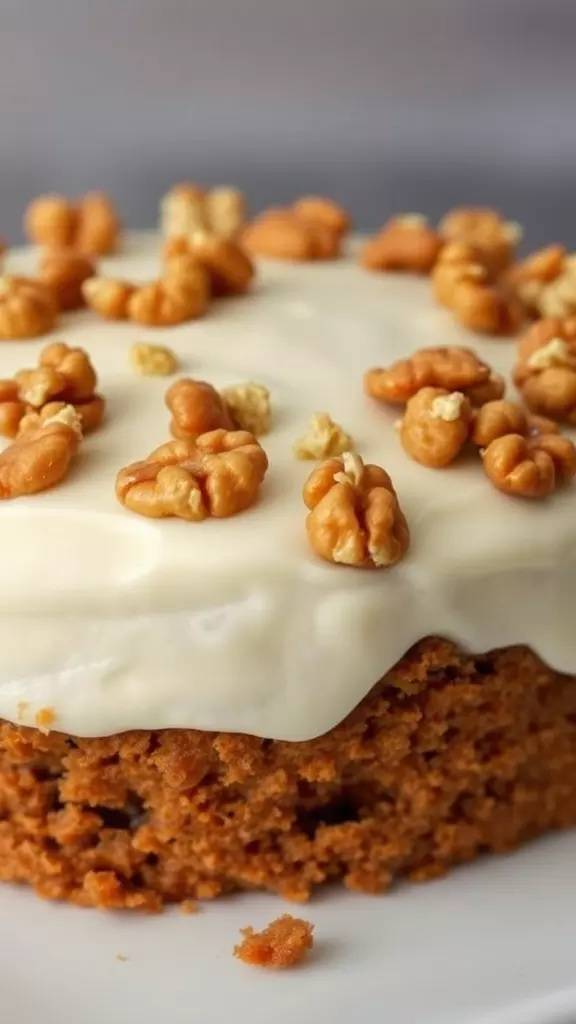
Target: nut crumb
x=554 y=353
x=120 y=956
x=153 y=360
x=189 y=907
x=322 y=439
x=448 y=407
x=283 y=943
x=250 y=406
x=44 y=720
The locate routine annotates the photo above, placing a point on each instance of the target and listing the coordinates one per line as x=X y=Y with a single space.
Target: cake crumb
x=120 y=956
x=189 y=907
x=286 y=941
x=44 y=719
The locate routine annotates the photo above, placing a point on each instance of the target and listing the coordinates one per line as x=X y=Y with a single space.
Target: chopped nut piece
x=52 y=412
x=284 y=943
x=323 y=439
x=37 y=461
x=493 y=238
x=436 y=426
x=218 y=474
x=90 y=226
x=554 y=353
x=355 y=518
x=530 y=277
x=250 y=406
x=496 y=419
x=540 y=333
x=452 y=368
x=153 y=360
x=44 y=720
x=530 y=467
x=27 y=308
x=196 y=408
x=36 y=387
x=405 y=243
x=64 y=272
x=108 y=297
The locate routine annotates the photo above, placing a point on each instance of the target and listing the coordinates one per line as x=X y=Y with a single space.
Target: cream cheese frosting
x=117 y=622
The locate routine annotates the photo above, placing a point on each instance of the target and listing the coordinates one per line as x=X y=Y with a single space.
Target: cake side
x=448 y=757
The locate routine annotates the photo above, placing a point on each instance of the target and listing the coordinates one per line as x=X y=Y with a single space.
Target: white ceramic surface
x=493 y=943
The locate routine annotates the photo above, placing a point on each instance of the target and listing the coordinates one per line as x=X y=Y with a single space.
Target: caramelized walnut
x=90 y=225
x=218 y=474
x=249 y=405
x=323 y=439
x=405 y=243
x=74 y=366
x=196 y=408
x=228 y=266
x=64 y=272
x=188 y=208
x=455 y=266
x=436 y=426
x=108 y=297
x=530 y=467
x=320 y=210
x=37 y=461
x=452 y=368
x=496 y=419
x=494 y=238
x=27 y=308
x=487 y=309
x=354 y=518
x=278 y=234
x=546 y=370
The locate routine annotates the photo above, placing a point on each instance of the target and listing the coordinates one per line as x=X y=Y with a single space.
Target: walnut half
x=355 y=518
x=218 y=474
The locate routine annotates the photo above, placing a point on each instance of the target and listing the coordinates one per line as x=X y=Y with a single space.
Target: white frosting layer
x=116 y=622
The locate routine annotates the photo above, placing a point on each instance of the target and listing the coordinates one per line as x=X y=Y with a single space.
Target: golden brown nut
x=153 y=360
x=493 y=237
x=225 y=209
x=453 y=368
x=196 y=408
x=64 y=272
x=448 y=275
x=11 y=408
x=486 y=309
x=74 y=365
x=540 y=333
x=530 y=467
x=108 y=297
x=51 y=220
x=37 y=461
x=98 y=226
x=436 y=426
x=323 y=439
x=27 y=308
x=546 y=371
x=405 y=243
x=496 y=419
x=219 y=474
x=88 y=414
x=530 y=276
x=321 y=210
x=355 y=518
x=166 y=303
x=38 y=386
x=186 y=280
x=52 y=412
x=279 y=234
x=183 y=210
x=90 y=226
x=249 y=405
x=229 y=267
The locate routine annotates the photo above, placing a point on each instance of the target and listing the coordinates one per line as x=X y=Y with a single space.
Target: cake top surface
x=117 y=621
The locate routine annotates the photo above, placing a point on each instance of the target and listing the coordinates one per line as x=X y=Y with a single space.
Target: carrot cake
x=208 y=684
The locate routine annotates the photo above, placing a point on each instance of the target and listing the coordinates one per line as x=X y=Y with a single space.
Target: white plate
x=494 y=943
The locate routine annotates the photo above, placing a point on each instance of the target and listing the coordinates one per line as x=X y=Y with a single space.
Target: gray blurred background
x=389 y=105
